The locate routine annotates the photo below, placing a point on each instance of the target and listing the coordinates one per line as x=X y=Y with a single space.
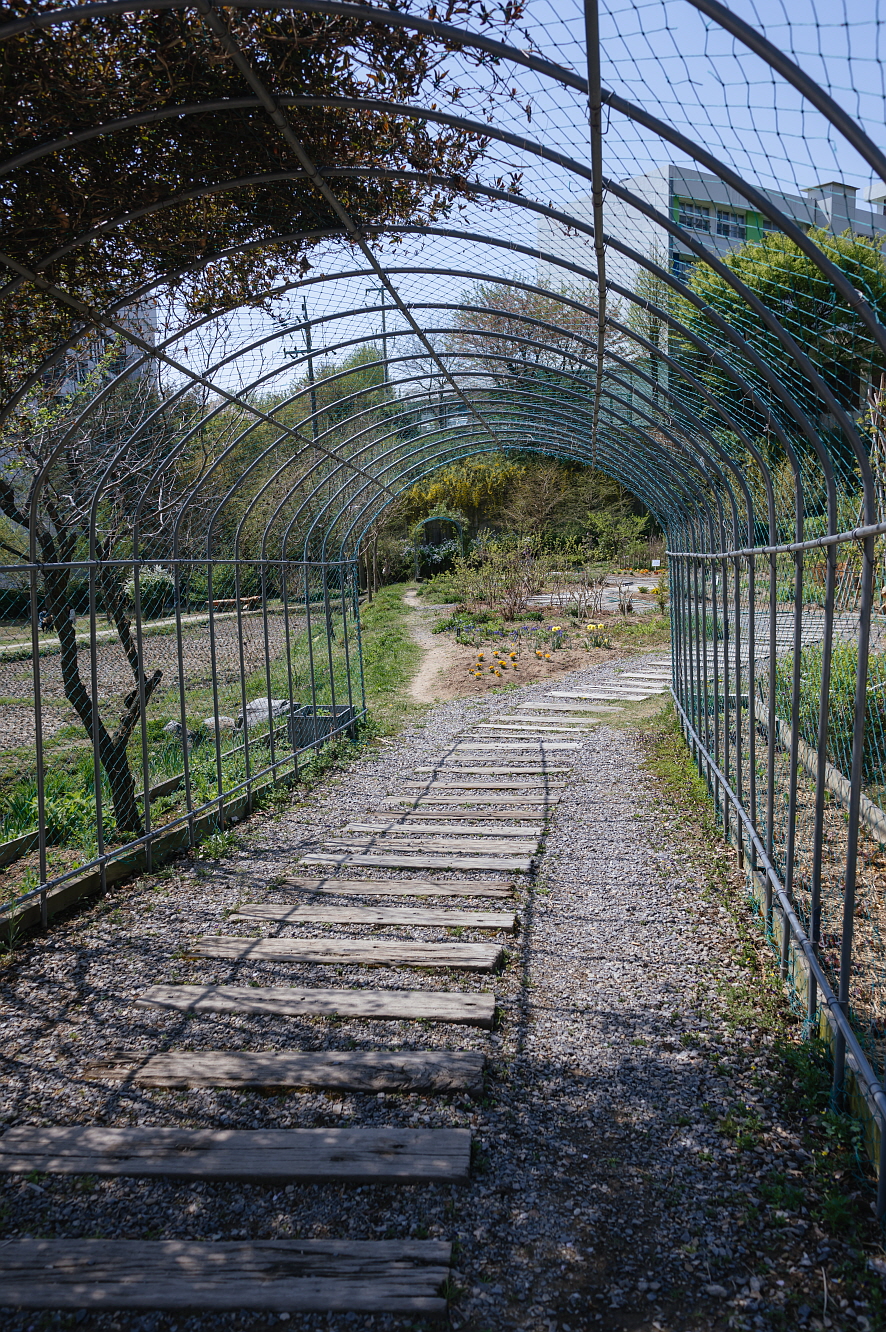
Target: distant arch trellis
x=167 y=443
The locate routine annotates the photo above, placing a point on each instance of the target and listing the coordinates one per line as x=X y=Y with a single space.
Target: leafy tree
x=472 y=487
x=651 y=290
x=808 y=306
x=109 y=67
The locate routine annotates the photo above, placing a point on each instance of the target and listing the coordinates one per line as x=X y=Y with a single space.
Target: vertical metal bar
x=793 y=777
x=595 y=112
x=821 y=759
x=213 y=669
x=272 y=723
x=752 y=701
x=306 y=569
x=856 y=782
x=327 y=611
x=182 y=698
x=354 y=580
x=96 y=720
x=771 y=733
x=738 y=710
x=247 y=756
x=287 y=648
x=142 y=708
x=38 y=746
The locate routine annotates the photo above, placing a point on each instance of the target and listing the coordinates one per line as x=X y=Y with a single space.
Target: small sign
x=656 y=564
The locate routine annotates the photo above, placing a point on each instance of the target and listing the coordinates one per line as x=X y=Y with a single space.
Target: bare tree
x=83 y=454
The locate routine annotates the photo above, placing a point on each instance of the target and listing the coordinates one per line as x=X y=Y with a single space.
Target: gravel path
x=603 y=1192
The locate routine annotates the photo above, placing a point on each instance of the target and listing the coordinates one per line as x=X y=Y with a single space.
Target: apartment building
x=713 y=213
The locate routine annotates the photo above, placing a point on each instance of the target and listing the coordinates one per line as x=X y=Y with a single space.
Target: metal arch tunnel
x=706 y=401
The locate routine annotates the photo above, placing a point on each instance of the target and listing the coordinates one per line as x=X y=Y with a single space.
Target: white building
x=715 y=215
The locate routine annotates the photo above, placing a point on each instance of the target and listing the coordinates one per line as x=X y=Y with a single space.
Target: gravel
x=604 y=1193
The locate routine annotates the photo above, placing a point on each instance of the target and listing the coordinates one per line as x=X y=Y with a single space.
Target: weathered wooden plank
x=453 y=862
x=398 y=887
x=372 y=915
x=586 y=708
x=538 y=726
x=428 y=809
x=355 y=1155
x=473 y=1010
x=458 y=766
x=350 y=952
x=602 y=693
x=500 y=746
x=483 y=783
x=531 y=729
x=347 y=1070
x=390 y=1276
x=528 y=800
x=407 y=823
x=420 y=845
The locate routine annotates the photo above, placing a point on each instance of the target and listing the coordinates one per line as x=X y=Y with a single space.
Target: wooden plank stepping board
x=345 y=1070
x=473 y=1010
x=453 y=862
x=384 y=1276
x=585 y=708
x=499 y=746
x=481 y=814
x=406 y=823
x=540 y=725
x=528 y=799
x=485 y=784
x=355 y=1155
x=360 y=915
x=458 y=767
x=351 y=952
x=598 y=693
x=458 y=843
x=398 y=887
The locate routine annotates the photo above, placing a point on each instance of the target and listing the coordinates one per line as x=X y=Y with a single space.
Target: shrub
x=156 y=590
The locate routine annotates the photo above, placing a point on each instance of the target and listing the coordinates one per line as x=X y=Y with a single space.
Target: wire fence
x=248 y=310
x=144 y=708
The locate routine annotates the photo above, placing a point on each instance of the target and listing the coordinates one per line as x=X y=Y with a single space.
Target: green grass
x=391 y=658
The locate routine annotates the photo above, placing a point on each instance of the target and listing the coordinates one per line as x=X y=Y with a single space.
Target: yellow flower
x=537 y=652
x=514 y=664
x=479 y=656
x=547 y=656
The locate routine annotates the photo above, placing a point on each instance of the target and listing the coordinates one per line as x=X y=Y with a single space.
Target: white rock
x=219 y=723
x=261 y=709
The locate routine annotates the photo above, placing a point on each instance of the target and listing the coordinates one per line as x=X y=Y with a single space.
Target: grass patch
x=391 y=658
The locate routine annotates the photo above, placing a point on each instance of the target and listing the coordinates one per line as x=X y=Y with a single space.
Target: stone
x=262 y=710
x=219 y=723
x=720 y=1292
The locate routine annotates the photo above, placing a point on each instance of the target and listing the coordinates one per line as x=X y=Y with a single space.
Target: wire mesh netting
x=286 y=261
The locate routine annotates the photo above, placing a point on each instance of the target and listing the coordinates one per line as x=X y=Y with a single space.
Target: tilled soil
x=161 y=651
x=605 y=1190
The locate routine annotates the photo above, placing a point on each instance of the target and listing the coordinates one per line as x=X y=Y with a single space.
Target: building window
x=694 y=215
x=730 y=224
x=682 y=266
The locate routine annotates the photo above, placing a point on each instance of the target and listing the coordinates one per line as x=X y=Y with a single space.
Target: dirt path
x=430 y=684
